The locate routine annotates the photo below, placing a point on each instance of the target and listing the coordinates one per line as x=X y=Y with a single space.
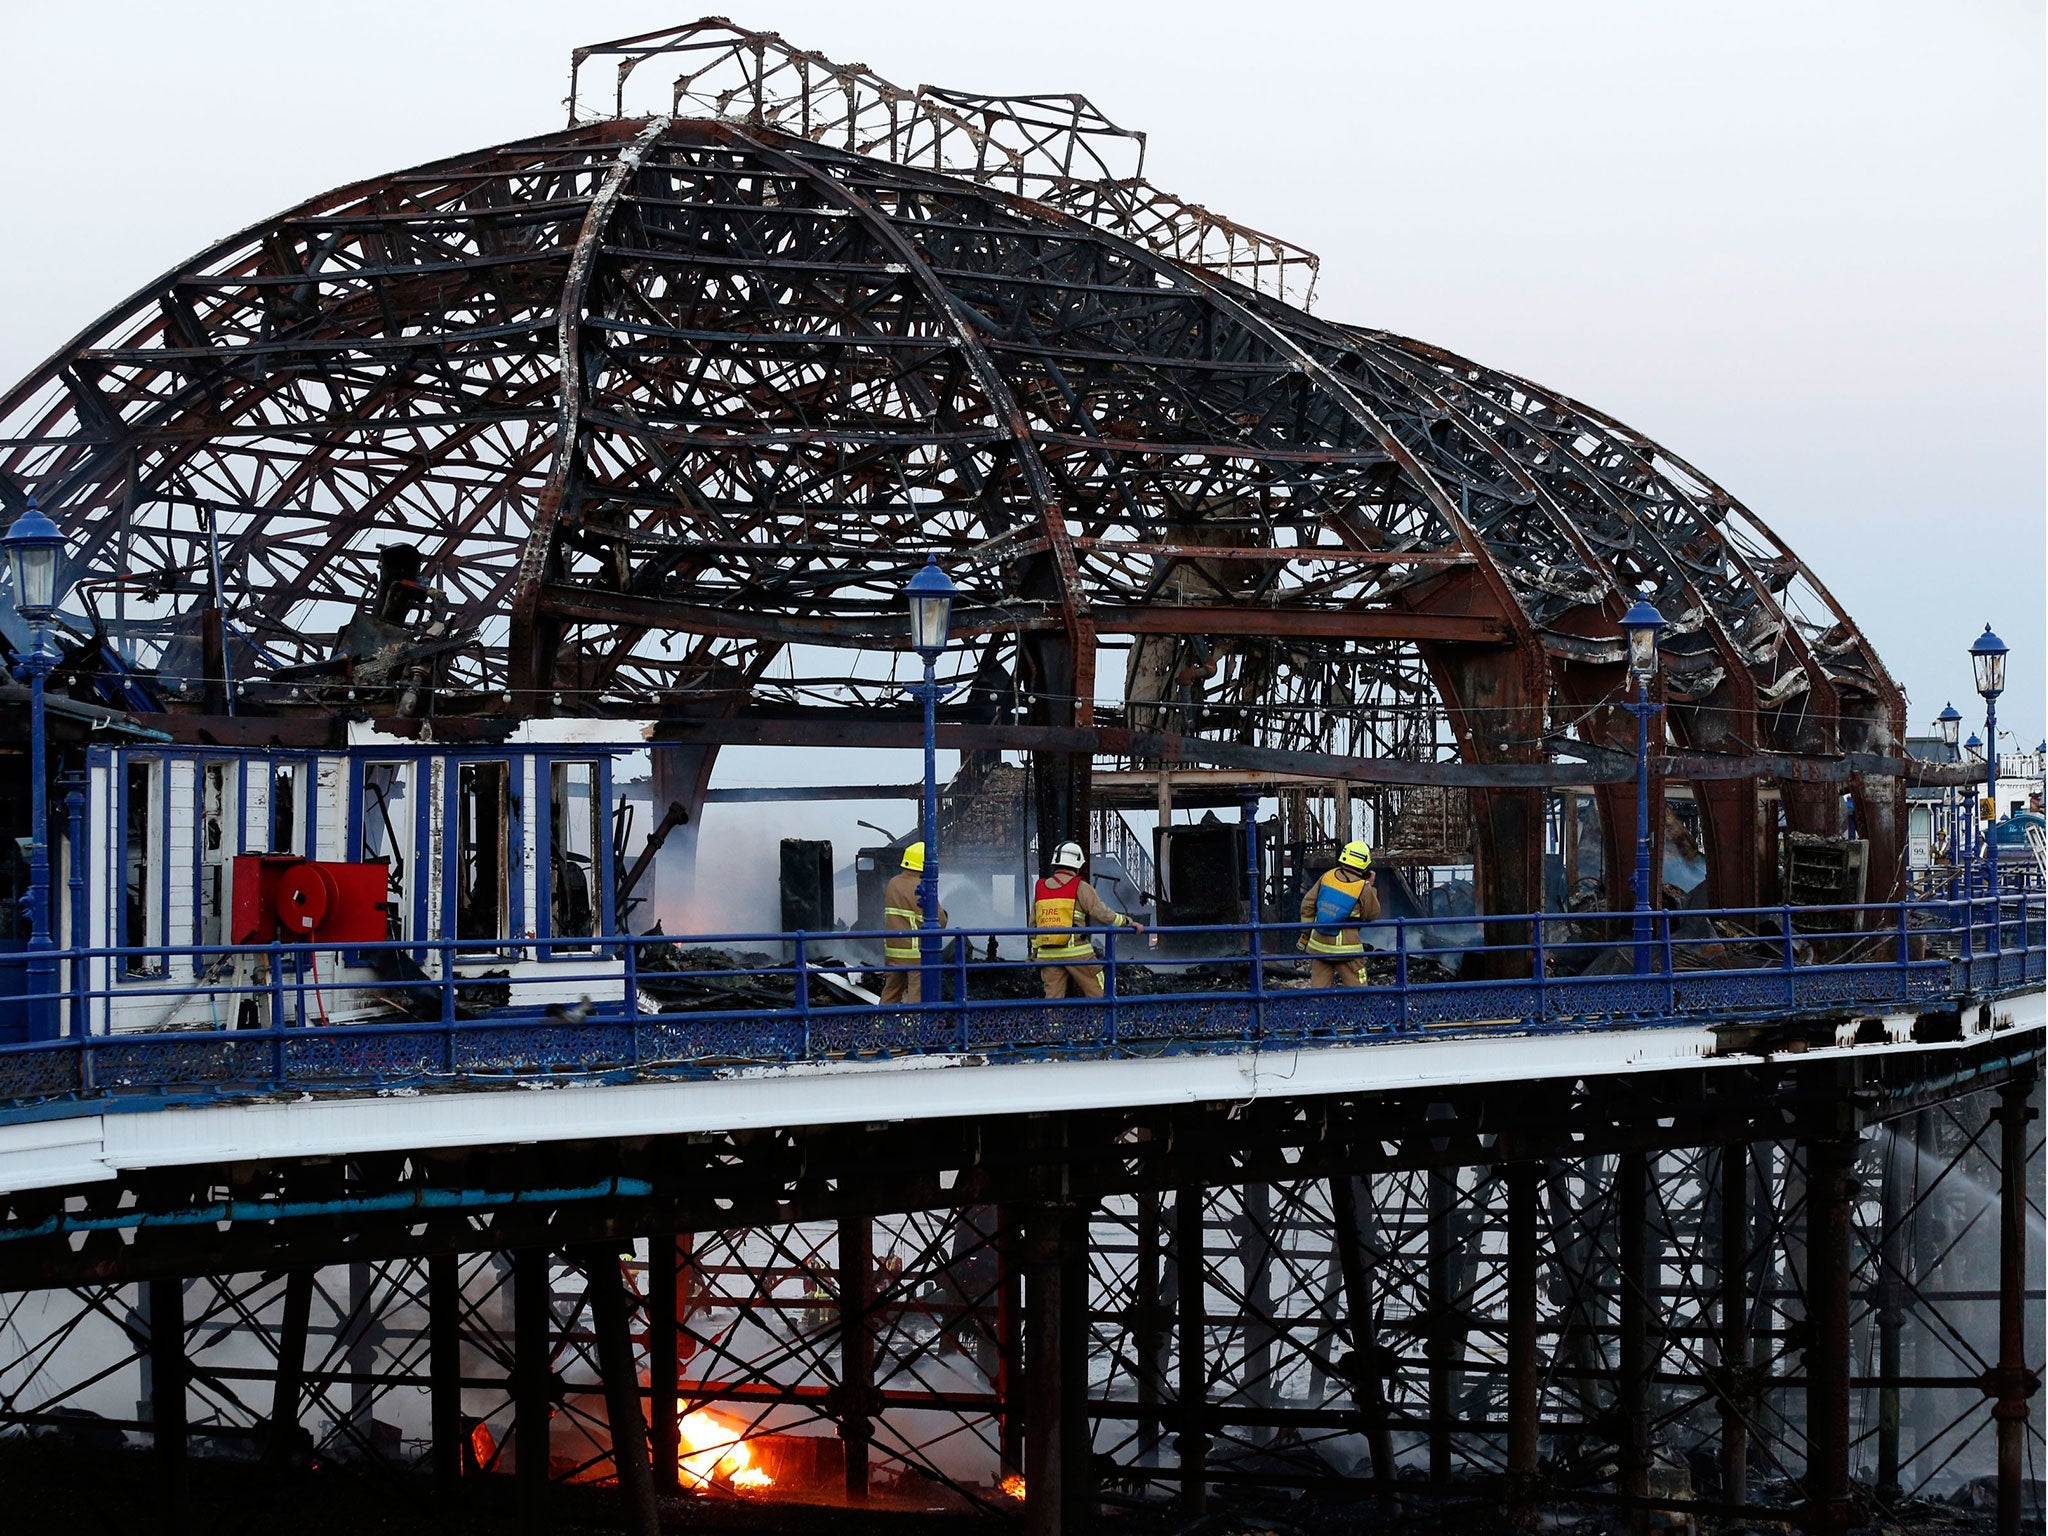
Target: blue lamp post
x=930 y=594
x=1987 y=657
x=35 y=555
x=1950 y=723
x=1643 y=625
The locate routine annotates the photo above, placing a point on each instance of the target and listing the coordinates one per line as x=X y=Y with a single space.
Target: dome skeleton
x=799 y=366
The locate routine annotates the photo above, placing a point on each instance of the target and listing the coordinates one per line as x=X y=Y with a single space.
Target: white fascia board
x=92 y=1147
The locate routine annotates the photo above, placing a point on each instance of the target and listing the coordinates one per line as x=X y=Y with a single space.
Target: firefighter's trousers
x=1084 y=980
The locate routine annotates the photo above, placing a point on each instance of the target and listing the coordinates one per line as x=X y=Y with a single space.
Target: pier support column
x=1149 y=1326
x=1830 y=1175
x=1443 y=1196
x=169 y=1374
x=1045 y=1279
x=444 y=1368
x=1733 y=1395
x=1367 y=1376
x=856 y=1351
x=667 y=1274
x=1632 y=1387
x=1524 y=1370
x=1077 y=1437
x=1191 y=1443
x=289 y=1385
x=2012 y=1381
x=611 y=1318
x=1891 y=1305
x=1010 y=1372
x=532 y=1385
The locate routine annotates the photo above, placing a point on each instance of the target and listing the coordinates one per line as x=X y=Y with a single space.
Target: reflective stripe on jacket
x=902 y=912
x=1340 y=897
x=1067 y=901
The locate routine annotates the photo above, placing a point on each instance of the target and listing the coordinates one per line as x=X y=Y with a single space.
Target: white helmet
x=1068 y=856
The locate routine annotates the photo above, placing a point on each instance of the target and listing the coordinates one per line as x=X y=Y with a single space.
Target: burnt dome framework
x=672 y=401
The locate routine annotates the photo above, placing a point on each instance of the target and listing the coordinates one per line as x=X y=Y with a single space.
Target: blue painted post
x=1642 y=876
x=1538 y=968
x=1109 y=980
x=928 y=884
x=74 y=815
x=1785 y=935
x=1401 y=971
x=802 y=979
x=42 y=949
x=277 y=1020
x=1250 y=812
x=447 y=1004
x=1667 y=968
x=960 y=992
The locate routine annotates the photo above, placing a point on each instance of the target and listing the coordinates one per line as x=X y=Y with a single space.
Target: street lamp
x=1642 y=624
x=930 y=595
x=35 y=555
x=1950 y=723
x=1987 y=656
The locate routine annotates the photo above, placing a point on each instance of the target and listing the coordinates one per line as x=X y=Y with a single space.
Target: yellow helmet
x=1357 y=855
x=913 y=857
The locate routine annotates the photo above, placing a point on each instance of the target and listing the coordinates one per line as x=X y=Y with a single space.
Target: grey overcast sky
x=1799 y=243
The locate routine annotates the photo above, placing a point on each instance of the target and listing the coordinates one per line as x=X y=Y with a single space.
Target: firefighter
x=1064 y=900
x=1344 y=895
x=903 y=912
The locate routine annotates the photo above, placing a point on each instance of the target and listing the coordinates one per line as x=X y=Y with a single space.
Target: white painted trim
x=93 y=1147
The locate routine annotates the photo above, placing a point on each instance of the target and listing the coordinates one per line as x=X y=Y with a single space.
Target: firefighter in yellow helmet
x=1064 y=900
x=1343 y=896
x=903 y=912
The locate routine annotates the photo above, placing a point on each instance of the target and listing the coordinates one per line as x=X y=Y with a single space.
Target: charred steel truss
x=1759 y=1284
x=671 y=401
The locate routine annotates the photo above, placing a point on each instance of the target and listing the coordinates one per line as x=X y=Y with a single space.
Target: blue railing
x=154 y=1023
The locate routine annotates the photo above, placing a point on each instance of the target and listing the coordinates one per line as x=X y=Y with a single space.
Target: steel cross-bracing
x=1610 y=1294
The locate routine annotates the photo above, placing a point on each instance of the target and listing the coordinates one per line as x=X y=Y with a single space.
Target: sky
x=1799 y=244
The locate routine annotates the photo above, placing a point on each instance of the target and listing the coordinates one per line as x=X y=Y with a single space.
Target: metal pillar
x=168 y=1376
x=1891 y=1305
x=1191 y=1323
x=1010 y=1374
x=444 y=1367
x=2011 y=1382
x=532 y=1385
x=1045 y=1277
x=1149 y=1325
x=856 y=1351
x=288 y=1386
x=1077 y=1439
x=666 y=1274
x=1443 y=1195
x=1366 y=1374
x=1734 y=1394
x=1255 y=1254
x=612 y=1319
x=1632 y=1305
x=1830 y=1175
x=1524 y=1371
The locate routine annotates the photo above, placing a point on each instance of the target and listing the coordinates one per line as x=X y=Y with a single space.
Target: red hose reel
x=299 y=900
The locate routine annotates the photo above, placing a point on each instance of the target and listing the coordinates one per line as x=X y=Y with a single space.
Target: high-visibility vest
x=1052 y=906
x=908 y=948
x=1337 y=903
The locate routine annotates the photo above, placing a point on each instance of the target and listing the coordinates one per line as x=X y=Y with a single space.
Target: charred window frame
x=144 y=896
x=385 y=833
x=481 y=880
x=575 y=868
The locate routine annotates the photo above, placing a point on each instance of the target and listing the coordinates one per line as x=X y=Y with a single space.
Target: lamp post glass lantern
x=35 y=557
x=1642 y=625
x=930 y=596
x=1950 y=723
x=1987 y=660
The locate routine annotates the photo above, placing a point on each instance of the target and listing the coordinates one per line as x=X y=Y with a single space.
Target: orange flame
x=1013 y=1485
x=712 y=1451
